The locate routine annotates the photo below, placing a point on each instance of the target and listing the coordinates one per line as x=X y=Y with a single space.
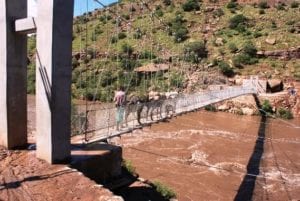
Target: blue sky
x=80 y=7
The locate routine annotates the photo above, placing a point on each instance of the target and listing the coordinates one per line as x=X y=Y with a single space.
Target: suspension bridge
x=99 y=123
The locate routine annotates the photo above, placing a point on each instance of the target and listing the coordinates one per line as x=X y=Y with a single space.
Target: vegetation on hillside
x=187 y=35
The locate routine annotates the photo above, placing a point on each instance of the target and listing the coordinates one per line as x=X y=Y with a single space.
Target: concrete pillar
x=13 y=75
x=53 y=79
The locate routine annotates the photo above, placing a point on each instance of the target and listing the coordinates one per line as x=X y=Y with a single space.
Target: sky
x=80 y=7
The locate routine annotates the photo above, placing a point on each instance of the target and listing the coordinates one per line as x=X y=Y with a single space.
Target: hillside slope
x=201 y=42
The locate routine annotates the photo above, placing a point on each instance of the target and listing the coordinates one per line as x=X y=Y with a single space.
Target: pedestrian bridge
x=97 y=122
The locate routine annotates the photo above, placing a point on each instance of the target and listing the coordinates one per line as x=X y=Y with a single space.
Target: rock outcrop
x=292 y=53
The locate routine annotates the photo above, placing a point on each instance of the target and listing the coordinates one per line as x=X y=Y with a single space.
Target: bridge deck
x=100 y=123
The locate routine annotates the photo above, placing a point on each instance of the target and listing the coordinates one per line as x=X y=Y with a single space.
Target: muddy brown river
x=219 y=156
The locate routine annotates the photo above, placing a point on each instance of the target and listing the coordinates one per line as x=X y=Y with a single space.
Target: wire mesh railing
x=99 y=121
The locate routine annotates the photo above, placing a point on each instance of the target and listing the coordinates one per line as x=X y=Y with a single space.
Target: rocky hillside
x=201 y=42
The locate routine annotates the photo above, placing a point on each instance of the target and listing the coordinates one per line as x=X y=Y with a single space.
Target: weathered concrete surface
x=99 y=162
x=53 y=79
x=13 y=61
x=26 y=25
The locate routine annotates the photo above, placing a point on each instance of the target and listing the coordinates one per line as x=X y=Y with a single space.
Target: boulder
x=247 y=111
x=271 y=41
x=223 y=107
x=219 y=42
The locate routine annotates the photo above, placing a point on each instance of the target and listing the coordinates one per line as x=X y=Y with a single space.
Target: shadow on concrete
x=103 y=163
x=247 y=187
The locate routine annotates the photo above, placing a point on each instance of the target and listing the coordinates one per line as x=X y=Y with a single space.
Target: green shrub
x=178 y=29
x=146 y=54
x=129 y=64
x=243 y=58
x=180 y=34
x=274 y=25
x=191 y=5
x=127 y=164
x=263 y=5
x=225 y=69
x=218 y=13
x=127 y=49
x=232 y=5
x=232 y=47
x=159 y=12
x=126 y=16
x=114 y=39
x=257 y=34
x=176 y=80
x=284 y=113
x=165 y=191
x=250 y=49
x=122 y=35
x=167 y=2
x=238 y=22
x=294 y=4
x=266 y=107
x=210 y=108
x=194 y=51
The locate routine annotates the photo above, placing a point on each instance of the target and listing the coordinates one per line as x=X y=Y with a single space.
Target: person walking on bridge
x=120 y=99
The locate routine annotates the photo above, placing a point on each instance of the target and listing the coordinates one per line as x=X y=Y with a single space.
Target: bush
x=146 y=54
x=191 y=5
x=248 y=56
x=243 y=58
x=138 y=34
x=232 y=5
x=176 y=80
x=266 y=107
x=129 y=64
x=114 y=39
x=232 y=47
x=250 y=49
x=210 y=108
x=159 y=13
x=127 y=164
x=122 y=35
x=164 y=190
x=178 y=29
x=238 y=22
x=284 y=113
x=225 y=69
x=194 y=51
x=218 y=13
x=294 y=4
x=167 y=2
x=127 y=49
x=263 y=5
x=180 y=34
x=257 y=34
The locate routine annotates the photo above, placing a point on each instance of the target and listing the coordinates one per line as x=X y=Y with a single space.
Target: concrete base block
x=99 y=162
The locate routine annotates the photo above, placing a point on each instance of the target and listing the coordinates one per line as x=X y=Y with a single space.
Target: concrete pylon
x=53 y=79
x=13 y=76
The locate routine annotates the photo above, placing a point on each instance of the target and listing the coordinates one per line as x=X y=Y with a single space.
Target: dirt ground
x=218 y=156
x=25 y=178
